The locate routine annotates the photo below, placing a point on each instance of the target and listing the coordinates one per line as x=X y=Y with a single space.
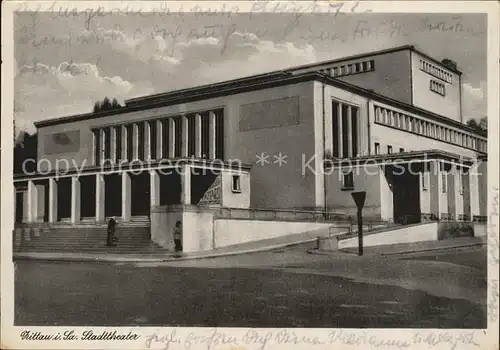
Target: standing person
x=111 y=233
x=178 y=237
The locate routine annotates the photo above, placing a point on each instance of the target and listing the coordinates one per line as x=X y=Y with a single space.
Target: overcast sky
x=65 y=63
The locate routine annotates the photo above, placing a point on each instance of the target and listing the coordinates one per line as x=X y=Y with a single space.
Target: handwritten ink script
x=261 y=340
x=492 y=233
x=87 y=335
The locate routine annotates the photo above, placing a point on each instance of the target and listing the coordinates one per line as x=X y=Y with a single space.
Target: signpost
x=359 y=199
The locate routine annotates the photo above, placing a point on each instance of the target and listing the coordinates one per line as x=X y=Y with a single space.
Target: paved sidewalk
x=407 y=248
x=244 y=248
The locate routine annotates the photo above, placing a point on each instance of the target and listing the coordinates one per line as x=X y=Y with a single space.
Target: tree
x=106 y=105
x=472 y=123
x=483 y=123
x=481 y=126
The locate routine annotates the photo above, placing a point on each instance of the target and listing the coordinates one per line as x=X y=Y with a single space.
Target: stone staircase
x=87 y=237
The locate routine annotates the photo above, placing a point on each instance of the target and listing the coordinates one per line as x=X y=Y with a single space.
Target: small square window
x=389 y=149
x=401 y=150
x=348 y=180
x=236 y=186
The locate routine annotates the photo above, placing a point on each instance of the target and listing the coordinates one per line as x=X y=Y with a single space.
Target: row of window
x=161 y=138
x=435 y=71
x=425 y=175
x=344 y=130
x=389 y=149
x=428 y=129
x=437 y=87
x=352 y=68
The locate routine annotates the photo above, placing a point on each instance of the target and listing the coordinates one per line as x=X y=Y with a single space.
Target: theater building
x=300 y=139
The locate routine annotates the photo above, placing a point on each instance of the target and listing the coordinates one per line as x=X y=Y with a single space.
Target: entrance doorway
x=406 y=197
x=19 y=207
x=139 y=194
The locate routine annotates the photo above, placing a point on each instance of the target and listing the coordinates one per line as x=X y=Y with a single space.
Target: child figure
x=178 y=237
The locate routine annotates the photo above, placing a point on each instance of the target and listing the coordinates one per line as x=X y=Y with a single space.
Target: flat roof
x=291 y=70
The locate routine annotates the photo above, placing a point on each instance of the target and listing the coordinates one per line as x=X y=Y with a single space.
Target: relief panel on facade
x=63 y=142
x=269 y=114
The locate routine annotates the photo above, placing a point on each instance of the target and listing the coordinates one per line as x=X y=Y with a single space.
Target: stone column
x=52 y=200
x=75 y=200
x=185 y=136
x=452 y=192
x=171 y=137
x=159 y=140
x=339 y=141
x=102 y=144
x=186 y=184
x=99 y=198
x=154 y=191
x=147 y=141
x=474 y=190
x=197 y=128
x=459 y=192
x=125 y=136
x=135 y=142
x=126 y=196
x=386 y=196
x=211 y=135
x=113 y=144
x=435 y=185
x=32 y=201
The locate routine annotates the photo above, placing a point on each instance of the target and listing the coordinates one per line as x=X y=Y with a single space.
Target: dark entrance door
x=19 y=207
x=406 y=197
x=112 y=195
x=46 y=202
x=64 y=198
x=140 y=201
x=87 y=196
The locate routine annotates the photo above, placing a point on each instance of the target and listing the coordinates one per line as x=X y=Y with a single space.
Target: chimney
x=449 y=63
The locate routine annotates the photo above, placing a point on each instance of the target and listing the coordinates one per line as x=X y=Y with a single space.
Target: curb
x=332 y=252
x=434 y=249
x=125 y=259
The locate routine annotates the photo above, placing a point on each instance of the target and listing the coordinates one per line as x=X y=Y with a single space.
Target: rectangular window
x=377 y=148
x=345 y=132
x=219 y=135
x=364 y=66
x=372 y=65
x=130 y=141
x=178 y=137
x=165 y=138
x=401 y=150
x=97 y=146
x=107 y=144
x=205 y=135
x=437 y=87
x=335 y=128
x=354 y=133
x=118 y=143
x=140 y=141
x=348 y=180
x=389 y=149
x=152 y=139
x=236 y=186
x=358 y=67
x=191 y=135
